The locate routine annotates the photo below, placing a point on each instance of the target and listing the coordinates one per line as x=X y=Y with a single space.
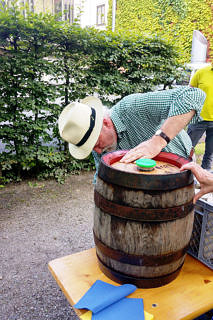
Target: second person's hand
x=204 y=177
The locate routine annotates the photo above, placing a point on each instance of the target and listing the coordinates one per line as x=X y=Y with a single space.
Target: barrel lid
x=144 y=181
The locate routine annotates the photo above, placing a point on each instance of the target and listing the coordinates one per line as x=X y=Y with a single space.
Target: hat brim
x=83 y=151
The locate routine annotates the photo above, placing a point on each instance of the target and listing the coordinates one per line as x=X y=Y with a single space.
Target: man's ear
x=107 y=122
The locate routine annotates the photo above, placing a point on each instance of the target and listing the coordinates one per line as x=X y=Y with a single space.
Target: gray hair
x=107 y=112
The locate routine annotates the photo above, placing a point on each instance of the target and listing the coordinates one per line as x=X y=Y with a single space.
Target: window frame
x=100 y=16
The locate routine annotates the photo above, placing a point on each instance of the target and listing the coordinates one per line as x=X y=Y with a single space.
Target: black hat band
x=89 y=131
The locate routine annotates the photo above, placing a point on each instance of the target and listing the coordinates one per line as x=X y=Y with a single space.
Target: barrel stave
x=145 y=199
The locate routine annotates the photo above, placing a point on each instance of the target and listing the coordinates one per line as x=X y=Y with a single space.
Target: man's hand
x=204 y=177
x=147 y=149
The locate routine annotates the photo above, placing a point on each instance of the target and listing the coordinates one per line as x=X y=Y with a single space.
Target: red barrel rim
x=143 y=181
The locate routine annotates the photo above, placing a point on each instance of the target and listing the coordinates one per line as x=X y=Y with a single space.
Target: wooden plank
x=185 y=298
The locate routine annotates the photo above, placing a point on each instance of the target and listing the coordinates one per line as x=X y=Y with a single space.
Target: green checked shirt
x=138 y=116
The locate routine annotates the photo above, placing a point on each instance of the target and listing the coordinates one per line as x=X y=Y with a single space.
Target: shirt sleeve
x=187 y=100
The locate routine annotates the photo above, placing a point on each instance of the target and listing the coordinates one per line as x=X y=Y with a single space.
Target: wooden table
x=187 y=297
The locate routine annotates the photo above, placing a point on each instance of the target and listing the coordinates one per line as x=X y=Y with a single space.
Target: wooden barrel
x=143 y=220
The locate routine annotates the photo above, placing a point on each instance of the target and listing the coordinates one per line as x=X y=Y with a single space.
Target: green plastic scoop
x=146 y=164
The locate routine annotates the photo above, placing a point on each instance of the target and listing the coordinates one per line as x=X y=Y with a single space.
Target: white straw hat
x=80 y=125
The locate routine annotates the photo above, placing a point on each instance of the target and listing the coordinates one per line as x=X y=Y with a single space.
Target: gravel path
x=41 y=221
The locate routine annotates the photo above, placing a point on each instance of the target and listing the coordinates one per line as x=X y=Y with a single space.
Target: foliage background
x=173 y=20
x=45 y=64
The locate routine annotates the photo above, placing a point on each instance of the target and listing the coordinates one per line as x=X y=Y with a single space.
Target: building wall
x=88 y=16
x=85 y=11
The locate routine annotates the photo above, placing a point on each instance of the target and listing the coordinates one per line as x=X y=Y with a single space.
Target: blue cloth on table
x=109 y=302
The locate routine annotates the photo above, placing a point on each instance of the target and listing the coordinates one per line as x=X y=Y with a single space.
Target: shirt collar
x=119 y=125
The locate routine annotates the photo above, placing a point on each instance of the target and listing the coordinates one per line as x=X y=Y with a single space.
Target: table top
x=185 y=298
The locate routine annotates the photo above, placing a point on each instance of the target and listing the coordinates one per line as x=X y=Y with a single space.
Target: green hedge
x=45 y=64
x=173 y=20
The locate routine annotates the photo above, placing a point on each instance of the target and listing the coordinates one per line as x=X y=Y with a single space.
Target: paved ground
x=38 y=223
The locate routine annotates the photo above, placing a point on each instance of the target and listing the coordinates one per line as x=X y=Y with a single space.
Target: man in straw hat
x=143 y=123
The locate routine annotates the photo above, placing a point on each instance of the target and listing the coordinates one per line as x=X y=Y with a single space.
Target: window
x=58 y=7
x=100 y=21
x=5 y=3
x=65 y=8
x=68 y=11
x=22 y=3
x=31 y=5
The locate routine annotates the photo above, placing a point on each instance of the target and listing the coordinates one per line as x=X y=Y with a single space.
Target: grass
x=199 y=149
x=199 y=152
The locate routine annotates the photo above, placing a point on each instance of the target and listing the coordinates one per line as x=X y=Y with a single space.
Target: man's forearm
x=173 y=125
x=150 y=148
